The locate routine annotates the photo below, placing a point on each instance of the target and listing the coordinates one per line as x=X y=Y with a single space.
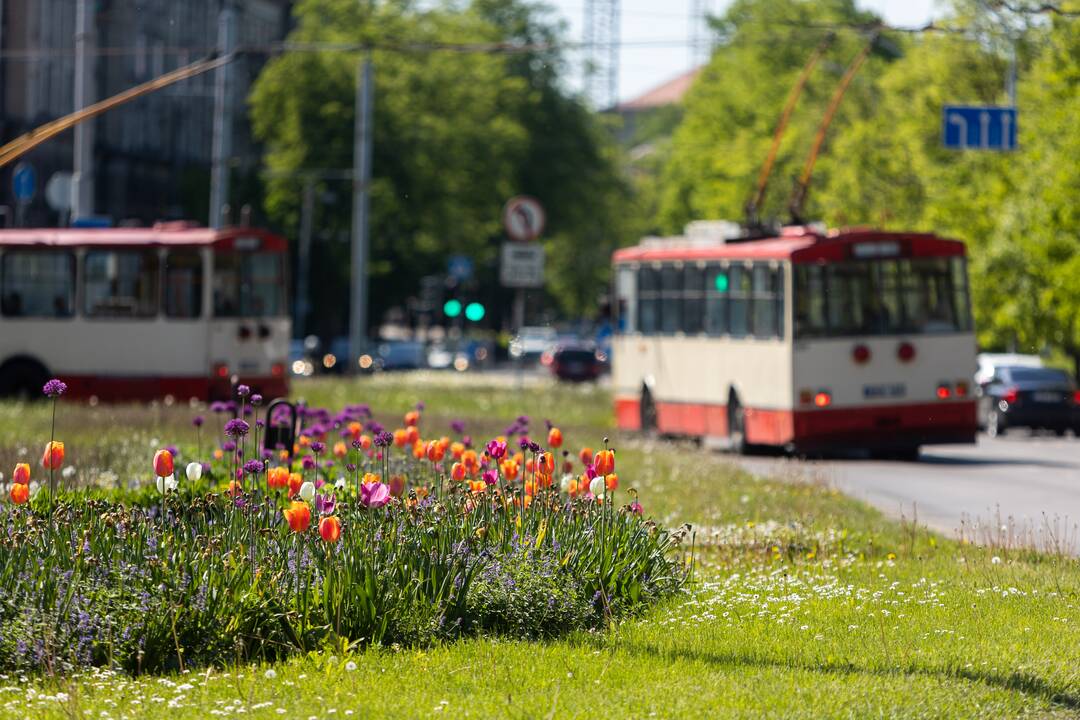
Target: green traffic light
x=474 y=312
x=452 y=308
x=721 y=283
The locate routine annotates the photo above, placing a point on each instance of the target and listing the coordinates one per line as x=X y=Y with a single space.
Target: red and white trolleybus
x=808 y=341
x=136 y=313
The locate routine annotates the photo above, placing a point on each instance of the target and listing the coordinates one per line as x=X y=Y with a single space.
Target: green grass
x=809 y=604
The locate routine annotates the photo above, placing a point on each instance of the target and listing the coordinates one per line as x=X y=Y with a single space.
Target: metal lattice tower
x=701 y=42
x=601 y=52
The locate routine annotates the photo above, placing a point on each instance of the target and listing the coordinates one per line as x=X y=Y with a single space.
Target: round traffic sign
x=24 y=182
x=524 y=218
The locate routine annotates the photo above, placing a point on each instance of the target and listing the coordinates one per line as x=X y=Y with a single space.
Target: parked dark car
x=576 y=363
x=1036 y=398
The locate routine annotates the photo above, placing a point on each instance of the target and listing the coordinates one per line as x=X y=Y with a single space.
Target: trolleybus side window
x=183 y=284
x=626 y=299
x=765 y=321
x=120 y=283
x=247 y=284
x=648 y=300
x=739 y=294
x=809 y=296
x=670 y=299
x=693 y=313
x=716 y=300
x=37 y=283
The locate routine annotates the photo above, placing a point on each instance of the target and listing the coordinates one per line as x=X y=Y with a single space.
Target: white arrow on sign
x=958 y=120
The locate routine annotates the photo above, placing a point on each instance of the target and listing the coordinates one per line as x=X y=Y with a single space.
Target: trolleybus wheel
x=22 y=377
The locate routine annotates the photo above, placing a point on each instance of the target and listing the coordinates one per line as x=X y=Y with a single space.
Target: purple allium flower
x=228 y=446
x=420 y=406
x=318 y=447
x=173 y=450
x=243 y=390
x=248 y=411
x=457 y=426
x=383 y=439
x=260 y=424
x=549 y=424
x=496 y=449
x=523 y=443
x=206 y=468
x=197 y=421
x=54 y=388
x=534 y=446
x=267 y=454
x=253 y=467
x=236 y=428
x=356 y=444
x=218 y=407
x=375 y=428
x=256 y=399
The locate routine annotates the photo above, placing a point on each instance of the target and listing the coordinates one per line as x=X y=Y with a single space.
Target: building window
x=183 y=284
x=37 y=283
x=120 y=283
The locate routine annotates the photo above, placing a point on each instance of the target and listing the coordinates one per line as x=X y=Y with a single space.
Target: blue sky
x=666 y=25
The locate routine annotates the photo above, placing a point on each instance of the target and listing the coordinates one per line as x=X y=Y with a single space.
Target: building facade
x=151 y=156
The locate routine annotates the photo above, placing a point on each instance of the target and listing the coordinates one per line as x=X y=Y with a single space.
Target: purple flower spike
x=318 y=447
x=256 y=399
x=54 y=388
x=243 y=390
x=457 y=426
x=523 y=443
x=253 y=467
x=197 y=421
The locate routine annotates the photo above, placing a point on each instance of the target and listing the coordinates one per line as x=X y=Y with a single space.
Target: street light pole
x=362 y=158
x=303 y=271
x=222 y=141
x=82 y=200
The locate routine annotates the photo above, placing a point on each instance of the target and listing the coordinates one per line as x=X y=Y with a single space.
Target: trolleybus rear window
x=882 y=297
x=37 y=283
x=248 y=285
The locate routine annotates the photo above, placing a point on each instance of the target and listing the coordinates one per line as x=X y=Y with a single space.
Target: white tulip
x=307 y=491
x=166 y=484
x=596 y=487
x=194 y=471
x=564 y=484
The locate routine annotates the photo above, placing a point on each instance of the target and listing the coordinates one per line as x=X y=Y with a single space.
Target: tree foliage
x=884 y=164
x=456 y=134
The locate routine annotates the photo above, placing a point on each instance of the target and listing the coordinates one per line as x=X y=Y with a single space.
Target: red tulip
x=330 y=529
x=20 y=493
x=54 y=455
x=21 y=475
x=555 y=437
x=163 y=463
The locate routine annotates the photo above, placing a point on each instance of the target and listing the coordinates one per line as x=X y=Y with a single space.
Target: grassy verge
x=809 y=604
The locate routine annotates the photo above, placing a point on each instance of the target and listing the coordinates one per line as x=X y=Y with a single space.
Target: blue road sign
x=979 y=128
x=459 y=267
x=24 y=182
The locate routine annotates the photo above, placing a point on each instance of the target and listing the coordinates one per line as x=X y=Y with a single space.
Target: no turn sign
x=523 y=218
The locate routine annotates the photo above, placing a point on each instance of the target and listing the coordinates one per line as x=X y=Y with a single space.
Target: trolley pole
x=222 y=140
x=362 y=159
x=82 y=201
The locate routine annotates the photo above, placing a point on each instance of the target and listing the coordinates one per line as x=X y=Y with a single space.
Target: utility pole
x=303 y=272
x=82 y=201
x=223 y=99
x=362 y=147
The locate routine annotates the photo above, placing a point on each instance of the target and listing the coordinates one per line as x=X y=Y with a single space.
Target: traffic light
x=452 y=308
x=474 y=311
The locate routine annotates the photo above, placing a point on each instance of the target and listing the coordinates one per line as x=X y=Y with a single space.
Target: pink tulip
x=375 y=494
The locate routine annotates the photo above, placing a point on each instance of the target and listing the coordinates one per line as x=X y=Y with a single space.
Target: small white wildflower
x=281 y=711
x=350 y=666
x=995 y=560
x=67 y=472
x=270 y=674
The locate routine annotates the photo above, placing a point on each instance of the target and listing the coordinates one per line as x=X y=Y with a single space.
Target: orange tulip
x=470 y=461
x=604 y=463
x=329 y=529
x=20 y=493
x=234 y=489
x=400 y=438
x=397 y=485
x=510 y=469
x=163 y=463
x=355 y=428
x=21 y=475
x=546 y=463
x=219 y=453
x=340 y=450
x=54 y=455
x=611 y=481
x=412 y=418
x=477 y=486
x=298 y=515
x=277 y=478
x=365 y=442
x=456 y=450
x=435 y=451
x=370 y=478
x=412 y=434
x=295 y=481
x=305 y=441
x=555 y=437
x=457 y=471
x=586 y=455
x=418 y=449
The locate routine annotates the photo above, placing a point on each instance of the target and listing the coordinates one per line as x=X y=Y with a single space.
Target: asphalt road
x=1032 y=480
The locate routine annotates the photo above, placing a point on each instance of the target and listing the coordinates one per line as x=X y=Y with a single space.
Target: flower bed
x=354 y=535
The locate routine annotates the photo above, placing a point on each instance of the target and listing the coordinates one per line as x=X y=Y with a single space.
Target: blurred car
x=401 y=355
x=531 y=342
x=576 y=363
x=1031 y=397
x=299 y=362
x=442 y=357
x=989 y=362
